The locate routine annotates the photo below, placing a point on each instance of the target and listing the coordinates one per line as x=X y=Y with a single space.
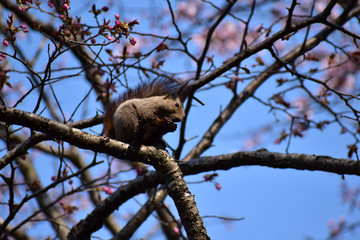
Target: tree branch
x=272 y=159
x=222 y=162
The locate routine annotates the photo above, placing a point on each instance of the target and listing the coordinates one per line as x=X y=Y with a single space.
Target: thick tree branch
x=179 y=192
x=272 y=159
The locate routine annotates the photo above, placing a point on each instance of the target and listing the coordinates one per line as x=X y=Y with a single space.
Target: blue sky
x=276 y=204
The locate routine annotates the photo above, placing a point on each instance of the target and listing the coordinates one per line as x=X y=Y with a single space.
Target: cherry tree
x=262 y=79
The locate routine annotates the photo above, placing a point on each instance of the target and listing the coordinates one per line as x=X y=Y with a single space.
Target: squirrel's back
x=158 y=87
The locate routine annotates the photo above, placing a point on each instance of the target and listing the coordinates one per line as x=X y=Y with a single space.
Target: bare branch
x=250 y=89
x=128 y=230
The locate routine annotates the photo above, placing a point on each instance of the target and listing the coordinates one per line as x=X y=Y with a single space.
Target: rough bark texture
x=274 y=160
x=179 y=192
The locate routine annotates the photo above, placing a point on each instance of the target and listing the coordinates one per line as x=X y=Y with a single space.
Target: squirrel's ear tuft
x=172 y=95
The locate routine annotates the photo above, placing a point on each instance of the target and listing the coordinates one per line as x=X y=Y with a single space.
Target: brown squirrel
x=144 y=114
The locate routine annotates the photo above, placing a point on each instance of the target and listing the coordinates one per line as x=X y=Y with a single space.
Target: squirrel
x=144 y=114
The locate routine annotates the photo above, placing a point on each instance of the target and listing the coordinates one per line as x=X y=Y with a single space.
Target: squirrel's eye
x=177 y=104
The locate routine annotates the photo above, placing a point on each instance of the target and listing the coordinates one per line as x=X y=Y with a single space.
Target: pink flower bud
x=218 y=186
x=176 y=230
x=53 y=178
x=23 y=26
x=117 y=16
x=93 y=40
x=139 y=171
x=117 y=23
x=22 y=8
x=108 y=190
x=133 y=41
x=206 y=177
x=6 y=43
x=50 y=4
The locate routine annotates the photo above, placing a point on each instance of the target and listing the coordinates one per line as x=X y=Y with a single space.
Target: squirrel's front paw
x=169 y=125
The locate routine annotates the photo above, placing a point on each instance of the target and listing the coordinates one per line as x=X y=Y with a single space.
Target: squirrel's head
x=172 y=108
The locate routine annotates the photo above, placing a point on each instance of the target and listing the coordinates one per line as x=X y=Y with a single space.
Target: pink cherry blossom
x=66 y=6
x=6 y=43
